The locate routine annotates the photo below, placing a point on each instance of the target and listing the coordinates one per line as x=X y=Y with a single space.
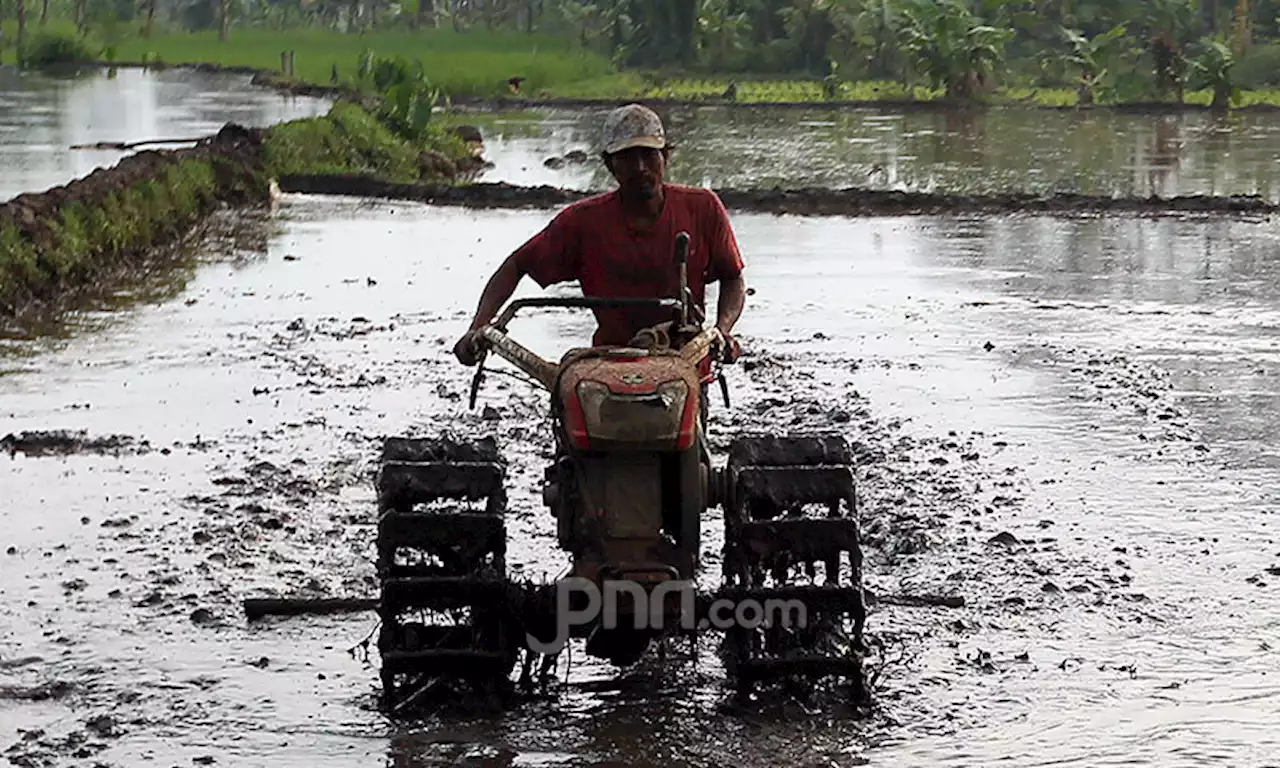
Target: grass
x=82 y=238
x=350 y=140
x=85 y=236
x=471 y=63
x=478 y=63
x=761 y=90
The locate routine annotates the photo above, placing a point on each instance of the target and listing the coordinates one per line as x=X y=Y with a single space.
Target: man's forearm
x=733 y=295
x=496 y=292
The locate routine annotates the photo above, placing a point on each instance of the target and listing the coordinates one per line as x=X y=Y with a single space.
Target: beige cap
x=633 y=126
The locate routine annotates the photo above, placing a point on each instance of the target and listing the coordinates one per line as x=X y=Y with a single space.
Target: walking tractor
x=629 y=487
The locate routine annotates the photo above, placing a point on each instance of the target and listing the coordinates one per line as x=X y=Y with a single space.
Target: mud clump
x=36 y=748
x=50 y=691
x=67 y=443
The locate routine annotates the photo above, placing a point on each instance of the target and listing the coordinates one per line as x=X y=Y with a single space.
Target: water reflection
x=994 y=150
x=42 y=116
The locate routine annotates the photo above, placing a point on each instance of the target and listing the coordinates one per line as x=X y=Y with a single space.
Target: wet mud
x=1054 y=533
x=798 y=202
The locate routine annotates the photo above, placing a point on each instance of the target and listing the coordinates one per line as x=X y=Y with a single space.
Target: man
x=621 y=244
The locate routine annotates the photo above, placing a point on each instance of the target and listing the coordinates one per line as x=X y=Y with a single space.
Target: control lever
x=475 y=380
x=682 y=264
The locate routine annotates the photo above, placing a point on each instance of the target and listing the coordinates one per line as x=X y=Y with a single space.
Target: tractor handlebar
x=494 y=335
x=581 y=302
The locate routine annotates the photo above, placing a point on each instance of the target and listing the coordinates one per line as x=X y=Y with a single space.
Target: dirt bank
x=55 y=242
x=811 y=201
x=59 y=246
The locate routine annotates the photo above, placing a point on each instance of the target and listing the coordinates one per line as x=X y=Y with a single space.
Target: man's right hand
x=466 y=349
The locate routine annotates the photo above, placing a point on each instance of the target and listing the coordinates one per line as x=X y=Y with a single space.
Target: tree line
x=1106 y=49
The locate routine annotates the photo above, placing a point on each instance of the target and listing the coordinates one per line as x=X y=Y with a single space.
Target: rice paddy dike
x=68 y=243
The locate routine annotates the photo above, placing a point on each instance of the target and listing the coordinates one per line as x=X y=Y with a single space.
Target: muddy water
x=41 y=117
x=998 y=150
x=1099 y=391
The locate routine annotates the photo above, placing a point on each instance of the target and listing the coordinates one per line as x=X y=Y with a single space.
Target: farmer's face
x=638 y=170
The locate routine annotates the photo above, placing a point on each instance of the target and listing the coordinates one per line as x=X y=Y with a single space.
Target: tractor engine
x=629 y=483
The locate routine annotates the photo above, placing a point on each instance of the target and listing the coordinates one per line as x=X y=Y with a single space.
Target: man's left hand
x=731 y=350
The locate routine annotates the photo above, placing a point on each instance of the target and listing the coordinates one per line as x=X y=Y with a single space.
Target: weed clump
x=51 y=48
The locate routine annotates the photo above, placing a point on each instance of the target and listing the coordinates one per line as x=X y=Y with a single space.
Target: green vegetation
x=101 y=230
x=50 y=47
x=401 y=140
x=470 y=64
x=87 y=236
x=1105 y=51
x=350 y=140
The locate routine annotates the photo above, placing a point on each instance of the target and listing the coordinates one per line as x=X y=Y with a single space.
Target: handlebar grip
x=682 y=248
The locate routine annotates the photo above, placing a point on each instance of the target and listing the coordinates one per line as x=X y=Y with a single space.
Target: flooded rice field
x=42 y=117
x=1011 y=149
x=1061 y=421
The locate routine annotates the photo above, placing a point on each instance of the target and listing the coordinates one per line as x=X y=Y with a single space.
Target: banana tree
x=809 y=29
x=1171 y=24
x=1241 y=28
x=1093 y=58
x=875 y=27
x=407 y=108
x=22 y=29
x=1211 y=68
x=721 y=32
x=590 y=20
x=865 y=33
x=951 y=46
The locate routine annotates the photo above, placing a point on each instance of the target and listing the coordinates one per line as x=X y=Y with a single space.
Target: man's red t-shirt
x=590 y=241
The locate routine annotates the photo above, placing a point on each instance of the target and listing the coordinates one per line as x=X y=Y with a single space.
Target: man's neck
x=644 y=211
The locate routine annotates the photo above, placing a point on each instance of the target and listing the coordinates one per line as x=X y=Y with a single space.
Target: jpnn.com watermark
x=650 y=608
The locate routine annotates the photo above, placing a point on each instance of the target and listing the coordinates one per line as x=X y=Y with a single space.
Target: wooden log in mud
x=922 y=601
x=124 y=146
x=257 y=608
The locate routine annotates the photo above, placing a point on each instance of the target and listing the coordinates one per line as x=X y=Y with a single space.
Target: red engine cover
x=628 y=375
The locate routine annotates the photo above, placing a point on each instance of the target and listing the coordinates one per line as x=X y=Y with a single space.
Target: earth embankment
x=808 y=201
x=60 y=241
